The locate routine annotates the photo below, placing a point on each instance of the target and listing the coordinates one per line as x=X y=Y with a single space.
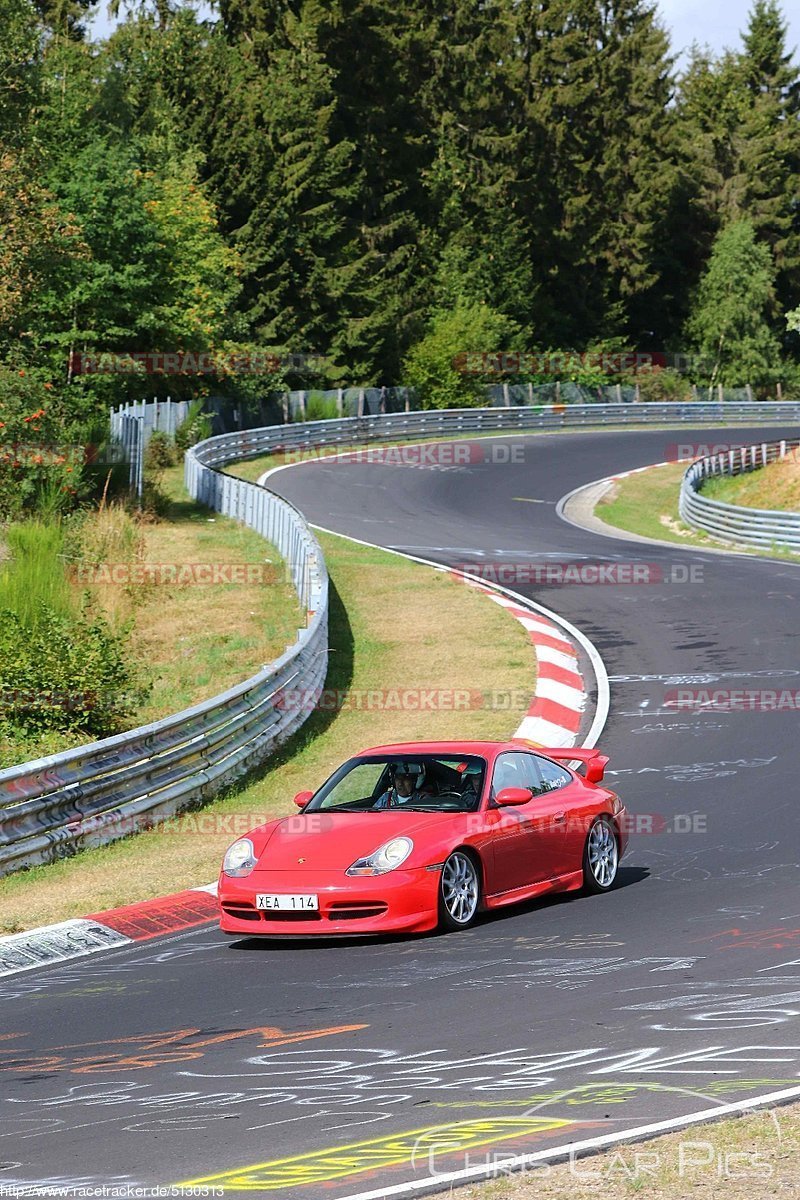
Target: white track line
x=518 y=1161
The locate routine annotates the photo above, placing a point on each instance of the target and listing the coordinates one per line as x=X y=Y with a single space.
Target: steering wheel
x=453 y=795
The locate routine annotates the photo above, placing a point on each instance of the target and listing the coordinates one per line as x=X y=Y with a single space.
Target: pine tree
x=740 y=117
x=296 y=242
x=474 y=179
x=373 y=48
x=316 y=156
x=19 y=68
x=769 y=143
x=599 y=162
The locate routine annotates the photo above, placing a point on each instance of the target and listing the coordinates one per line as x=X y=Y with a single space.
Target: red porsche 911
x=417 y=836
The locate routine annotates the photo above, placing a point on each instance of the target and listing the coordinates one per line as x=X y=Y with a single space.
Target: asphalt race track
x=315 y=1070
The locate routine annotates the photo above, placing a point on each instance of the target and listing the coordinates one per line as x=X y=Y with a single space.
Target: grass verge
x=394 y=625
x=199 y=639
x=756 y=1155
x=647 y=504
x=775 y=486
x=186 y=637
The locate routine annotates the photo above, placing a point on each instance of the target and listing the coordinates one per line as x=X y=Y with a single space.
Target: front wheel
x=600 y=857
x=459 y=891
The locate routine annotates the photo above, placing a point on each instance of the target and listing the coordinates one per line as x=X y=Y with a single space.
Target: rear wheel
x=459 y=891
x=600 y=856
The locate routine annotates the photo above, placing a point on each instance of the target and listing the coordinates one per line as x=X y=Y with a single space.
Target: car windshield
x=419 y=783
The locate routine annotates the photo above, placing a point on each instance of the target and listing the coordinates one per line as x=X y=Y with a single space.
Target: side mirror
x=513 y=796
x=595 y=768
x=302 y=799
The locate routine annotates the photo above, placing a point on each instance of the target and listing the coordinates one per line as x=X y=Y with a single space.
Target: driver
x=472 y=777
x=407 y=779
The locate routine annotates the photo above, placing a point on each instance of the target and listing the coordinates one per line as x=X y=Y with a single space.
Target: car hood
x=333 y=841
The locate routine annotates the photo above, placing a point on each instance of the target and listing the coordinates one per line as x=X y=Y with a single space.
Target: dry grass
x=394 y=625
x=647 y=504
x=776 y=486
x=745 y=1158
x=192 y=639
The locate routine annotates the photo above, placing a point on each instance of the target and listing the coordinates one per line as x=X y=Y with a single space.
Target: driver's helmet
x=410 y=769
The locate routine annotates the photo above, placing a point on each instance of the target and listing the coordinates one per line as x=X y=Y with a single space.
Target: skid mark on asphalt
x=416 y=1147
x=143 y=1051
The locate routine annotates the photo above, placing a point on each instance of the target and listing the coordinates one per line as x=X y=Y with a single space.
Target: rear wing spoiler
x=593 y=761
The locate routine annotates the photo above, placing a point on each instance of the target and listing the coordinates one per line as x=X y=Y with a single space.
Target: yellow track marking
x=417 y=1147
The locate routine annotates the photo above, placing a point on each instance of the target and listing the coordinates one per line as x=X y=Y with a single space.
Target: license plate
x=288 y=903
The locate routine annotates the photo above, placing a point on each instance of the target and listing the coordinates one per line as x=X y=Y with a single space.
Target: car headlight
x=384 y=859
x=239 y=858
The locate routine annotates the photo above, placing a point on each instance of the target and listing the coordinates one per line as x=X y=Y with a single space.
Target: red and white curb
x=107 y=930
x=560 y=698
x=670 y=462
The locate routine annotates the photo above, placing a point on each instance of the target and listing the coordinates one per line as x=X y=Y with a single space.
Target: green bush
x=66 y=673
x=161 y=452
x=61 y=668
x=320 y=407
x=196 y=428
x=431 y=367
x=662 y=385
x=39 y=471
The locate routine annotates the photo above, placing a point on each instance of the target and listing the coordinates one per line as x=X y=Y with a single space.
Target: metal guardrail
x=54 y=806
x=733 y=522
x=349 y=432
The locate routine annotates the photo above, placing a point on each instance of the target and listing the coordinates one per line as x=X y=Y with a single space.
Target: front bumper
x=398 y=902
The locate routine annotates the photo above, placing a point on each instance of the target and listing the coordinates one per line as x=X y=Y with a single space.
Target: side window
x=549 y=776
x=513 y=770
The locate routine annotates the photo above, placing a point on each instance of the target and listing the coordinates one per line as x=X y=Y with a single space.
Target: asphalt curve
x=311 y=1070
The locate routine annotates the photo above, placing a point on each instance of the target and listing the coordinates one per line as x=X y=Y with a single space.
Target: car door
x=526 y=850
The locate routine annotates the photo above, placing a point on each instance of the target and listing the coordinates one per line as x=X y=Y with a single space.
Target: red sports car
x=415 y=836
